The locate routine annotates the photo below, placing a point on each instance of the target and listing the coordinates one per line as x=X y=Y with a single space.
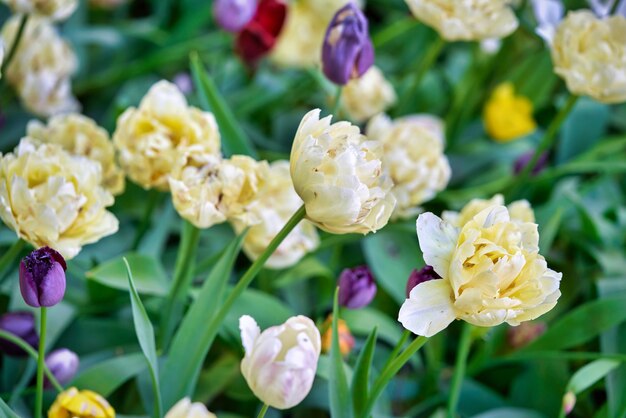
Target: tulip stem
x=263 y=410
x=546 y=143
x=337 y=101
x=13 y=49
x=459 y=369
x=31 y=352
x=41 y=362
x=390 y=371
x=9 y=256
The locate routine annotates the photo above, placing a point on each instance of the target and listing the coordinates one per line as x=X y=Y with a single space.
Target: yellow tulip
x=508 y=116
x=73 y=403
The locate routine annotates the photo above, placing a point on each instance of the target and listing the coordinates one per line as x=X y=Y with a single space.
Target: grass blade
x=339 y=394
x=361 y=378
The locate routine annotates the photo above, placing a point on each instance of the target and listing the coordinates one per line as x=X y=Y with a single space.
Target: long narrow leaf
x=145 y=335
x=6 y=411
x=338 y=392
x=235 y=140
x=590 y=374
x=360 y=381
x=193 y=338
x=106 y=376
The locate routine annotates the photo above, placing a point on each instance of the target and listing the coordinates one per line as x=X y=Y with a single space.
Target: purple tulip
x=420 y=276
x=347 y=52
x=525 y=158
x=63 y=364
x=357 y=287
x=20 y=324
x=234 y=15
x=42 y=277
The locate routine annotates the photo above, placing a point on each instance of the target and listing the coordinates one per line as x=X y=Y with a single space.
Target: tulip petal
x=52 y=288
x=429 y=308
x=249 y=332
x=437 y=240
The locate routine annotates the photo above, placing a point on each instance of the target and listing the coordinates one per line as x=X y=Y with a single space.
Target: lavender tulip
x=42 y=277
x=234 y=15
x=20 y=324
x=347 y=52
x=524 y=159
x=357 y=287
x=63 y=364
x=420 y=276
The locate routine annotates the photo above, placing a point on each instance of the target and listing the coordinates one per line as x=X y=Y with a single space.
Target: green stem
x=10 y=256
x=459 y=369
x=13 y=49
x=390 y=371
x=337 y=102
x=391 y=32
x=41 y=362
x=153 y=200
x=546 y=143
x=614 y=7
x=427 y=62
x=31 y=352
x=405 y=336
x=263 y=410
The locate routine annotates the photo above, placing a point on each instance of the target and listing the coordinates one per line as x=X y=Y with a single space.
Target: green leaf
x=193 y=339
x=361 y=378
x=582 y=324
x=234 y=138
x=590 y=374
x=392 y=255
x=510 y=413
x=148 y=274
x=362 y=321
x=306 y=269
x=105 y=377
x=6 y=411
x=338 y=392
x=583 y=128
x=145 y=335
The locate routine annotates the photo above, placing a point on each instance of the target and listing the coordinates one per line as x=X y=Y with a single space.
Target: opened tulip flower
x=258 y=37
x=280 y=363
x=22 y=325
x=233 y=15
x=80 y=404
x=50 y=9
x=186 y=409
x=63 y=364
x=491 y=272
x=508 y=116
x=347 y=52
x=519 y=210
x=338 y=174
x=357 y=287
x=367 y=96
x=467 y=20
x=42 y=277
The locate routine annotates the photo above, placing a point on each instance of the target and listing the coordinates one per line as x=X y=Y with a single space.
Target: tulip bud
x=63 y=364
x=186 y=409
x=525 y=158
x=524 y=333
x=569 y=402
x=258 y=37
x=357 y=287
x=347 y=52
x=42 y=277
x=233 y=15
x=20 y=324
x=420 y=276
x=280 y=363
x=346 y=340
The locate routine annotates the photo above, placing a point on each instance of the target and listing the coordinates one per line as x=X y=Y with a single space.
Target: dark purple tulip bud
x=63 y=364
x=525 y=158
x=357 y=287
x=420 y=276
x=20 y=324
x=234 y=15
x=347 y=52
x=42 y=277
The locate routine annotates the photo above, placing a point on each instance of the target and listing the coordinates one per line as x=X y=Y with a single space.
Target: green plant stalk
x=426 y=64
x=31 y=352
x=263 y=411
x=403 y=339
x=546 y=143
x=337 y=102
x=13 y=50
x=390 y=371
x=9 y=256
x=41 y=362
x=459 y=369
x=391 y=32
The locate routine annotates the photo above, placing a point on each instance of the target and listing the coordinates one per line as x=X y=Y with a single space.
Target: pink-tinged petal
x=249 y=332
x=438 y=241
x=429 y=309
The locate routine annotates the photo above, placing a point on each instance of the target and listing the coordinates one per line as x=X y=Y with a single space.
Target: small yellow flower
x=73 y=403
x=508 y=116
x=467 y=20
x=51 y=9
x=51 y=197
x=154 y=140
x=589 y=54
x=42 y=67
x=346 y=340
x=368 y=95
x=81 y=135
